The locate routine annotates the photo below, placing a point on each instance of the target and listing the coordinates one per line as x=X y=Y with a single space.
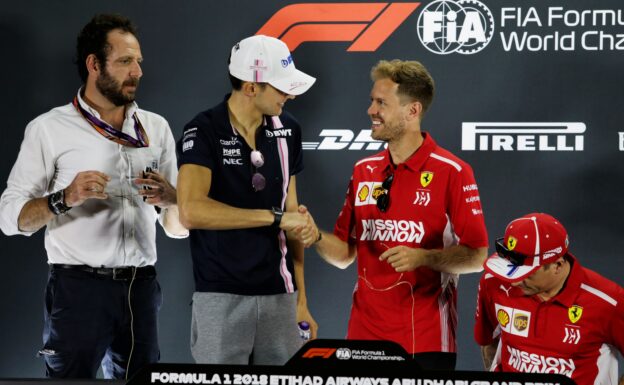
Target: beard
x=390 y=131
x=113 y=91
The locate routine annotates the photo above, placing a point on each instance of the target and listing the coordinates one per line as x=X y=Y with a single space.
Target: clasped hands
x=155 y=189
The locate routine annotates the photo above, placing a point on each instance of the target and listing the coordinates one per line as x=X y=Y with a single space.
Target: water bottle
x=304 y=330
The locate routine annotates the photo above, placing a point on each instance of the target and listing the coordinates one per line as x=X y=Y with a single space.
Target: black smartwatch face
x=56 y=201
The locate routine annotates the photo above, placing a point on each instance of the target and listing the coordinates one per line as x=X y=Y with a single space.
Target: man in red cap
x=540 y=311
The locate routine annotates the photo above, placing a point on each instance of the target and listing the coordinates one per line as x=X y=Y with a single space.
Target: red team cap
x=530 y=241
x=265 y=59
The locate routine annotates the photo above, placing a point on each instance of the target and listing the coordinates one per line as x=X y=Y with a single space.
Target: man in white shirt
x=98 y=173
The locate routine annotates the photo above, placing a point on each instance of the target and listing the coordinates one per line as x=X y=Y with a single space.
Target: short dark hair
x=415 y=82
x=93 y=39
x=237 y=84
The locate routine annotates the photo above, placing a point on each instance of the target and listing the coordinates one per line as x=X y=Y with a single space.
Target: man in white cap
x=540 y=311
x=237 y=193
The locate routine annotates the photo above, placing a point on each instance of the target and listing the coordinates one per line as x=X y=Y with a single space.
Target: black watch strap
x=56 y=203
x=277 y=216
x=320 y=236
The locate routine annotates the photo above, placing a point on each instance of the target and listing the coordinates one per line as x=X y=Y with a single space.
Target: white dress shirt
x=118 y=231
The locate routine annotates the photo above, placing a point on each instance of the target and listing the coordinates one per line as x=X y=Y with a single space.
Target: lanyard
x=110 y=133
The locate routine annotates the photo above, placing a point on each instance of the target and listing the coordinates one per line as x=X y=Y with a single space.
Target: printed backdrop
x=528 y=92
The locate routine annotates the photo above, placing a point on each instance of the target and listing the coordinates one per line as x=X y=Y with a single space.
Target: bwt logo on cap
x=517 y=136
x=448 y=26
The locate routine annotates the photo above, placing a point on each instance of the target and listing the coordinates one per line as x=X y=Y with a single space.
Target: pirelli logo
x=523 y=136
x=366 y=25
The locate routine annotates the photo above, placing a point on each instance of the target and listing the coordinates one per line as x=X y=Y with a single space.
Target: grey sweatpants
x=240 y=329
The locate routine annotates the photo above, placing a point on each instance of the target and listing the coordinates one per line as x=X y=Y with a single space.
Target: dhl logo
x=367 y=25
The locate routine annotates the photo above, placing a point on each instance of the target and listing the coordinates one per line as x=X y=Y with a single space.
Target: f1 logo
x=319 y=352
x=367 y=25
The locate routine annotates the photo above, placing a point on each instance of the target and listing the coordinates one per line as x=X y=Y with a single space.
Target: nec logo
x=233 y=161
x=343 y=139
x=367 y=25
x=319 y=352
x=563 y=136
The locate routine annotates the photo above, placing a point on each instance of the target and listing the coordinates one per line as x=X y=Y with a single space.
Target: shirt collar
x=131 y=108
x=418 y=158
x=222 y=110
x=570 y=291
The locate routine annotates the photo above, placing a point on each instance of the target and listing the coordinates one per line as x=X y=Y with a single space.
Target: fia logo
x=343 y=354
x=448 y=26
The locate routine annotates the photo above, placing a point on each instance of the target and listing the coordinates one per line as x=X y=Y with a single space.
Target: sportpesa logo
x=447 y=26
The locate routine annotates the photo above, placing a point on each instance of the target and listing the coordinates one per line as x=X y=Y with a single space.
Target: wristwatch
x=277 y=219
x=56 y=203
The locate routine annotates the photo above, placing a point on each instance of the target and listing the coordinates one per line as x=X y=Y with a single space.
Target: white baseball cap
x=265 y=59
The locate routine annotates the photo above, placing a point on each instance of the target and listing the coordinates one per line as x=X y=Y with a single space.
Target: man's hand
x=307 y=235
x=86 y=185
x=303 y=314
x=297 y=222
x=160 y=193
x=403 y=258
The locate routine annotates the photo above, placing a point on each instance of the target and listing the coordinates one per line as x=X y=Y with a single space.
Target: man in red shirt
x=540 y=311
x=413 y=217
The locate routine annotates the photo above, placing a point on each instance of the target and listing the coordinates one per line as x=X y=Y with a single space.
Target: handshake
x=301 y=226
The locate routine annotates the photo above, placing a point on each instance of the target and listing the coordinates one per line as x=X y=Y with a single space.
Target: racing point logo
x=367 y=25
x=448 y=26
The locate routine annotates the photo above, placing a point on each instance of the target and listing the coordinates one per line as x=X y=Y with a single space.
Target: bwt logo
x=342 y=139
x=448 y=26
x=319 y=352
x=523 y=136
x=367 y=25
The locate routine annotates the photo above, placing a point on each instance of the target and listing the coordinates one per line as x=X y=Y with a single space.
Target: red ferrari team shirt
x=576 y=333
x=434 y=203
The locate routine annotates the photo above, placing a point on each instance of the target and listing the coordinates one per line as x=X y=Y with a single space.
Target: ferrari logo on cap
x=425 y=178
x=511 y=243
x=574 y=313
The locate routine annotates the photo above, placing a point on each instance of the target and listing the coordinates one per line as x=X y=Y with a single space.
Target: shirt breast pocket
x=143 y=159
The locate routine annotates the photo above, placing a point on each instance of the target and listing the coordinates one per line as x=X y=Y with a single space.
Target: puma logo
x=505 y=289
x=371 y=168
